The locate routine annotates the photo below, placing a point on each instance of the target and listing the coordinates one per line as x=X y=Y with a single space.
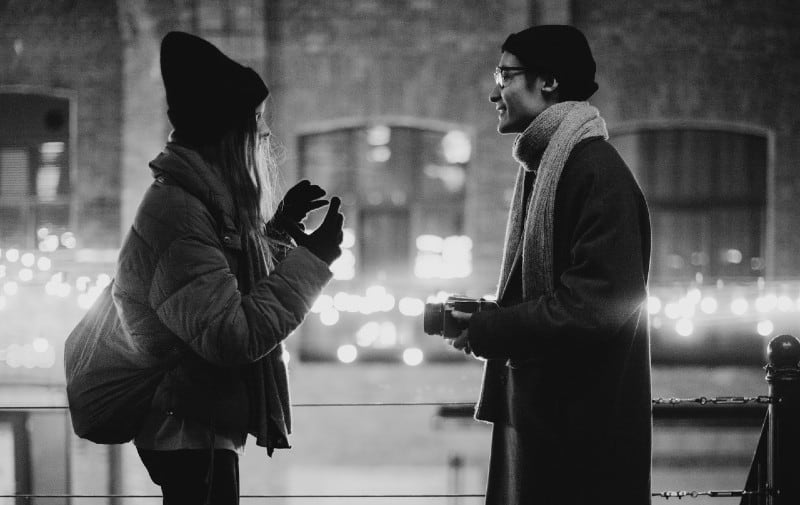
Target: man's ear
x=550 y=84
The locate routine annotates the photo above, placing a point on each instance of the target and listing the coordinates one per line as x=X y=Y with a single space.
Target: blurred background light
x=684 y=327
x=12 y=255
x=348 y=238
x=379 y=135
x=653 y=305
x=44 y=263
x=329 y=317
x=739 y=306
x=25 y=274
x=27 y=259
x=709 y=305
x=765 y=327
x=456 y=147
x=10 y=288
x=412 y=356
x=347 y=353
x=411 y=307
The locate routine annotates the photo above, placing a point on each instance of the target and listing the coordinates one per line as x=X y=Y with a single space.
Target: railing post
x=456 y=463
x=783 y=377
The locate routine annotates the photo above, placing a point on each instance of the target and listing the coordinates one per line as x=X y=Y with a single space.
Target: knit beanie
x=206 y=90
x=560 y=50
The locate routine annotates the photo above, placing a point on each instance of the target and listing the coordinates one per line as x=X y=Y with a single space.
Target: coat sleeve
x=196 y=296
x=602 y=287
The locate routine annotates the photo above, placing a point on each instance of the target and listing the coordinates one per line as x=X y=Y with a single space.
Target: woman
x=205 y=280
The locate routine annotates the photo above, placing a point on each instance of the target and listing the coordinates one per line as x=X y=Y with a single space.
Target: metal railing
x=773 y=478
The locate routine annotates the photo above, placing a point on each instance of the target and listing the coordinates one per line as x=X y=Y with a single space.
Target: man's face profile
x=518 y=102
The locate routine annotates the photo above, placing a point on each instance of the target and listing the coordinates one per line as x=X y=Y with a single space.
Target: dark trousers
x=183 y=475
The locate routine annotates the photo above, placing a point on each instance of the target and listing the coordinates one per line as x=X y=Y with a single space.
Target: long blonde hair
x=248 y=165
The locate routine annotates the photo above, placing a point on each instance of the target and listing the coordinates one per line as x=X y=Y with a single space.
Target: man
x=567 y=374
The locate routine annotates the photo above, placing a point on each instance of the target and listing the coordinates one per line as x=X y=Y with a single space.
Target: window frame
x=768 y=221
x=412 y=206
x=31 y=205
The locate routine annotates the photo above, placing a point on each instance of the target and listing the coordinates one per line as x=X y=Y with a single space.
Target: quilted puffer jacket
x=177 y=293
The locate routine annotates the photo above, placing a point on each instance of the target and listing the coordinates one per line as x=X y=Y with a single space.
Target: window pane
x=385 y=168
x=384 y=240
x=14 y=171
x=679 y=260
x=52 y=177
x=386 y=175
x=439 y=220
x=707 y=192
x=327 y=159
x=13 y=231
x=442 y=178
x=54 y=217
x=737 y=243
x=397 y=183
x=34 y=166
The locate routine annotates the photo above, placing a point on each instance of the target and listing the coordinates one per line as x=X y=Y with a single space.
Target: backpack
x=110 y=382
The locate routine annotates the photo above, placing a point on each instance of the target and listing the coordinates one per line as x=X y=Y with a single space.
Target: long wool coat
x=571 y=370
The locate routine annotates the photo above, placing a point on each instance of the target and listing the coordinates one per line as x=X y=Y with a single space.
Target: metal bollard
x=783 y=452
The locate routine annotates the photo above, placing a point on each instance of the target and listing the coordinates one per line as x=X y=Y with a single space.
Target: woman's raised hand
x=325 y=242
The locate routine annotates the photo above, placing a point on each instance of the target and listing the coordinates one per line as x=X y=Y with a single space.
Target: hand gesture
x=301 y=199
x=325 y=242
x=461 y=342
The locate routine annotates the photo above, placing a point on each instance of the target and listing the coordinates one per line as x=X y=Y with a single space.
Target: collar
x=531 y=143
x=190 y=171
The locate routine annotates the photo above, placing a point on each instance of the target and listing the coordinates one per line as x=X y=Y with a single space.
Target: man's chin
x=504 y=129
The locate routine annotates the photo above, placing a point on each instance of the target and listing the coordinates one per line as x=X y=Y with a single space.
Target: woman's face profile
x=261 y=121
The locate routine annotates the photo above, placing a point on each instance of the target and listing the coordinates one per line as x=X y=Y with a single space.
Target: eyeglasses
x=502 y=75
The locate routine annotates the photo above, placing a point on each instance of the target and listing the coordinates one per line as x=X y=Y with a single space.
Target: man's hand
x=462 y=341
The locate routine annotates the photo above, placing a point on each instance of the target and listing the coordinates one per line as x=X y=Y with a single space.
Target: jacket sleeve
x=602 y=287
x=196 y=296
x=281 y=242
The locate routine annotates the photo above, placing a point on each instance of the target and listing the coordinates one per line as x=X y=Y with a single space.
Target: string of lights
x=375 y=313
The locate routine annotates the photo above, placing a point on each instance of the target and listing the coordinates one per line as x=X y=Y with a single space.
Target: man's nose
x=495 y=95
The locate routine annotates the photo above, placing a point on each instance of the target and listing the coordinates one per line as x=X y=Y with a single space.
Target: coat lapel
x=513 y=241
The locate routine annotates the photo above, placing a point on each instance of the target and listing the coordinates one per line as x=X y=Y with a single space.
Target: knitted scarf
x=543 y=148
x=267 y=378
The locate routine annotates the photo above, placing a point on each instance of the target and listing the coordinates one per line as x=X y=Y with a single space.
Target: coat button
x=226 y=240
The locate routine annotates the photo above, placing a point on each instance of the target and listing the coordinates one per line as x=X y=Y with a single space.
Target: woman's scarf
x=543 y=149
x=267 y=379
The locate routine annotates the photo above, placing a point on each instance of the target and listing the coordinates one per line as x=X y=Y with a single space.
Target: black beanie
x=560 y=50
x=206 y=90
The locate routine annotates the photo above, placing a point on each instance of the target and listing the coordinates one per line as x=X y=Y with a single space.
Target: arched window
x=34 y=168
x=398 y=183
x=403 y=191
x=707 y=190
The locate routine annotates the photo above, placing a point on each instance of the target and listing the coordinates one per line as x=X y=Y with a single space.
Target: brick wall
x=731 y=62
x=721 y=61
x=420 y=59
x=75 y=46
